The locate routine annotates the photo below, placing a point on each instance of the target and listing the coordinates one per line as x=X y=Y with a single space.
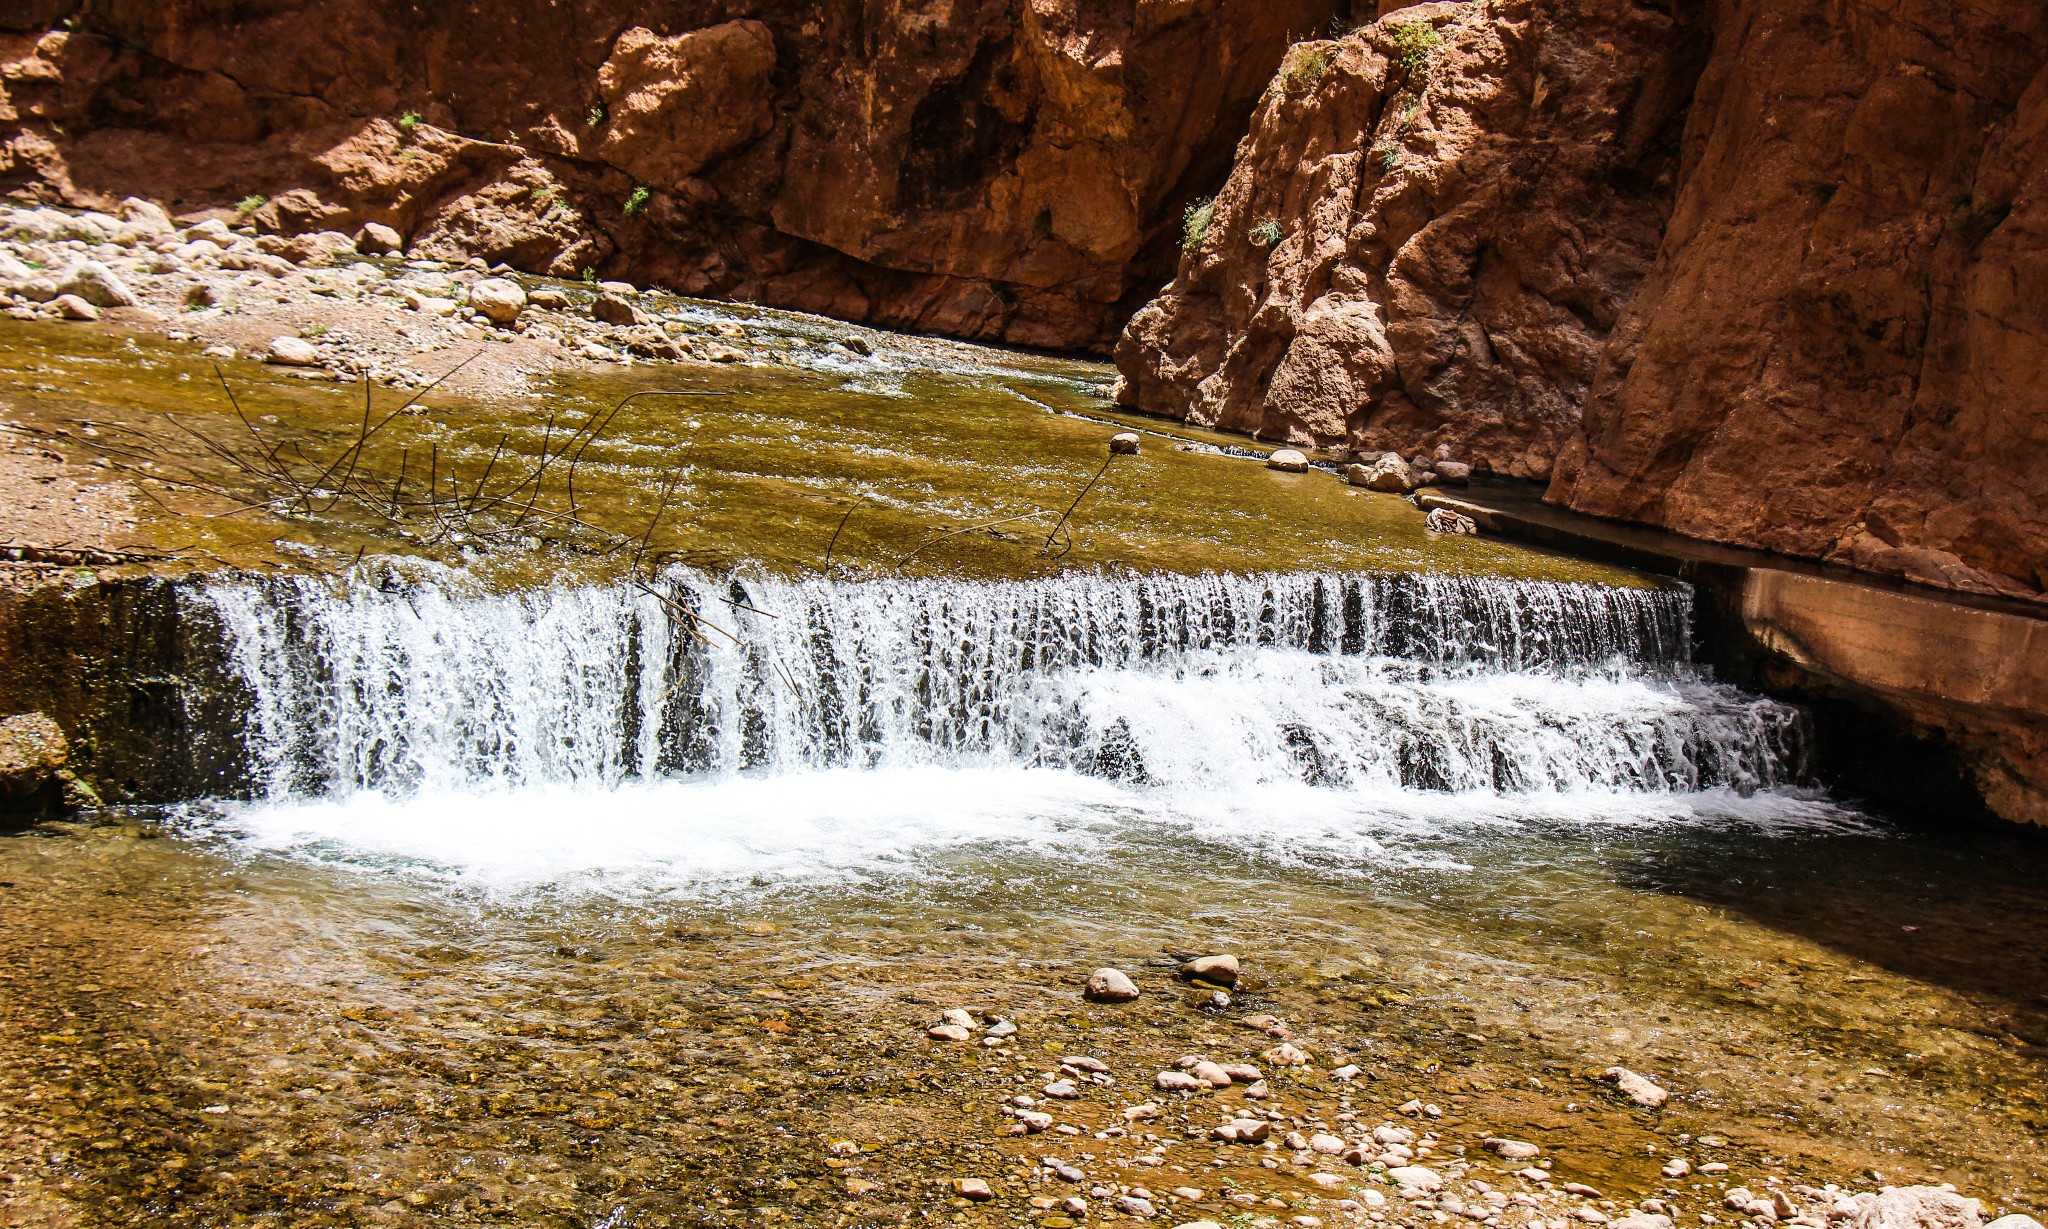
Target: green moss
x=409 y=121
x=1268 y=233
x=1194 y=223
x=638 y=200
x=1305 y=68
x=1417 y=41
x=250 y=204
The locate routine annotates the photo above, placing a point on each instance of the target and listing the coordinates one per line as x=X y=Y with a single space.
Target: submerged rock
x=1637 y=1088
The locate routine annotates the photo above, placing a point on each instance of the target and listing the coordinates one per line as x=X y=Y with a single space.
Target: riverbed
x=613 y=872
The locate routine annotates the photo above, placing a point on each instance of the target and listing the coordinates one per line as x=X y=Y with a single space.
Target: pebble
x=1512 y=1149
x=1081 y=1062
x=71 y=307
x=1142 y=1112
x=1346 y=1073
x=1109 y=986
x=1063 y=1171
x=1393 y=1135
x=958 y=1015
x=1243 y=1131
x=1001 y=1029
x=948 y=1032
x=1287 y=460
x=1034 y=1121
x=1176 y=1081
x=1212 y=1072
x=1714 y=1167
x=1286 y=1054
x=1243 y=1073
x=1328 y=1145
x=1135 y=1205
x=1062 y=1090
x=2015 y=1221
x=973 y=1188
x=1415 y=1178
x=1676 y=1168
x=1581 y=1189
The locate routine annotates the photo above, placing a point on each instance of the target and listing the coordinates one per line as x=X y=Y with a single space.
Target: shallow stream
x=602 y=903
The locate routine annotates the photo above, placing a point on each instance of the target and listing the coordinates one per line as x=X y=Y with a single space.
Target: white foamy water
x=820 y=730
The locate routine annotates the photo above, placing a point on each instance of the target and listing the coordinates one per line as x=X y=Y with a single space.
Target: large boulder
x=499 y=298
x=1389 y=474
x=96 y=284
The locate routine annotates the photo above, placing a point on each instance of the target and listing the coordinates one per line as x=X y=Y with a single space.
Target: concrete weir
x=1928 y=701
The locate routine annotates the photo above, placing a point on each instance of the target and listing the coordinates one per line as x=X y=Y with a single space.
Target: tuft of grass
x=597 y=115
x=1268 y=233
x=590 y=274
x=1305 y=69
x=1389 y=158
x=250 y=204
x=544 y=199
x=409 y=121
x=1194 y=223
x=1417 y=41
x=638 y=200
x=313 y=330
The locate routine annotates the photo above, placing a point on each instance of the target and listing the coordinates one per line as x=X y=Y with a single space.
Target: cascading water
x=808 y=726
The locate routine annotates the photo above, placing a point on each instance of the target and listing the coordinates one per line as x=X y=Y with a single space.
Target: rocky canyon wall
x=999 y=169
x=1766 y=272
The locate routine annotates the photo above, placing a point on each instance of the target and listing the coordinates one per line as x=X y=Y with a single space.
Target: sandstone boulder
x=499 y=299
x=96 y=284
x=675 y=105
x=1287 y=460
x=293 y=352
x=377 y=239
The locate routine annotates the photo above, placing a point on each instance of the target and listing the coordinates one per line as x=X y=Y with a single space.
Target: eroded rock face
x=1004 y=169
x=1429 y=233
x=1758 y=272
x=1853 y=287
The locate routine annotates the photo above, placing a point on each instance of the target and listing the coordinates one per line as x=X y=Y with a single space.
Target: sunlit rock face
x=1759 y=273
x=999 y=170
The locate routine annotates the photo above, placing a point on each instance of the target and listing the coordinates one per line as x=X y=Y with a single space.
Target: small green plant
x=638 y=200
x=1417 y=41
x=1194 y=223
x=250 y=204
x=1268 y=233
x=1389 y=158
x=313 y=330
x=1305 y=69
x=409 y=121
x=590 y=274
x=597 y=115
x=545 y=198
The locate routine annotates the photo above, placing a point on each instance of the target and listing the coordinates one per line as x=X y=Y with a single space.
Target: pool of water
x=925 y=458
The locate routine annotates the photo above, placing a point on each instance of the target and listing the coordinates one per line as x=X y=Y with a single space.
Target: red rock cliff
x=1768 y=272
x=1008 y=169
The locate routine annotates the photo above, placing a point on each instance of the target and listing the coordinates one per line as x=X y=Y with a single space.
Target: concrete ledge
x=1966 y=674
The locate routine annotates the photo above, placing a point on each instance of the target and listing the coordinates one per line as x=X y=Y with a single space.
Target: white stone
x=1416 y=1178
x=1287 y=460
x=293 y=352
x=1106 y=985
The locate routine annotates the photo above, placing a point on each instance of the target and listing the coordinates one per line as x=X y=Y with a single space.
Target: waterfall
x=734 y=726
x=1419 y=682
